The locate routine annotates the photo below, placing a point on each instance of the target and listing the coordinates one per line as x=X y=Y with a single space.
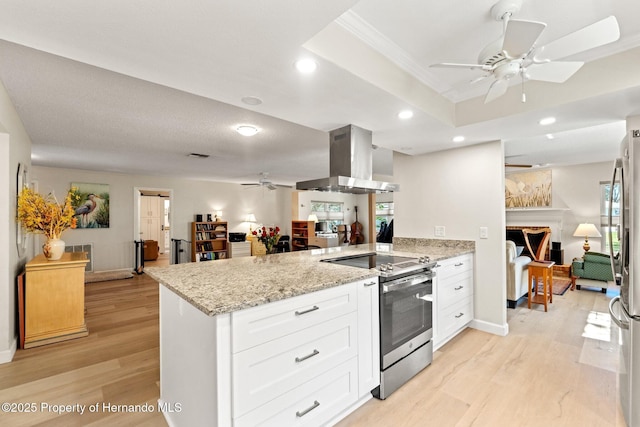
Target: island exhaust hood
x=350 y=165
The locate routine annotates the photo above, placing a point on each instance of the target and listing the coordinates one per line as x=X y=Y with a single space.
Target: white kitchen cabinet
x=368 y=336
x=301 y=361
x=152 y=219
x=453 y=299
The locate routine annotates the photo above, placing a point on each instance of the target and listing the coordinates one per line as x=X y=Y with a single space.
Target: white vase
x=53 y=249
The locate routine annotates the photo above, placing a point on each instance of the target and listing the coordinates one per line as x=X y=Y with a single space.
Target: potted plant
x=43 y=214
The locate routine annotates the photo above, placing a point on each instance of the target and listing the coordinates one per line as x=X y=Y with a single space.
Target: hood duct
x=350 y=165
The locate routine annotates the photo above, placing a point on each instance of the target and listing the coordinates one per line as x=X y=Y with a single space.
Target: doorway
x=152 y=213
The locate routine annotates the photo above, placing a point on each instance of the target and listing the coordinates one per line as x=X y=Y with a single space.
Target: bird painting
x=87 y=210
x=93 y=208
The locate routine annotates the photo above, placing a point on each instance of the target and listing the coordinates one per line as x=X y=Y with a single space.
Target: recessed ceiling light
x=306 y=65
x=547 y=121
x=247 y=130
x=406 y=114
x=550 y=136
x=251 y=100
x=458 y=138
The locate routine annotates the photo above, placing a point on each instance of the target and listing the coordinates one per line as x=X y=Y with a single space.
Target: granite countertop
x=224 y=286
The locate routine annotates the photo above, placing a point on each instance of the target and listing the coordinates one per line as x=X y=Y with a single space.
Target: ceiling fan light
x=547 y=121
x=247 y=130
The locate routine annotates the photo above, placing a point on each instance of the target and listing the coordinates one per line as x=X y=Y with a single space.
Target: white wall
x=462 y=190
x=15 y=147
x=114 y=247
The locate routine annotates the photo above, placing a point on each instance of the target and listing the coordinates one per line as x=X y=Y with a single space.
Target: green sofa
x=593 y=265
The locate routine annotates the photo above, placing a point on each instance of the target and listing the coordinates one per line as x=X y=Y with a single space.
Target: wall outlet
x=484 y=232
x=439 y=231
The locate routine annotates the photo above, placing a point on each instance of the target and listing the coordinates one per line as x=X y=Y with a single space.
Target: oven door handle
x=405 y=282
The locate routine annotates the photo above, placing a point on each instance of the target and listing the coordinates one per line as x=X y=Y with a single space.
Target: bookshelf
x=209 y=241
x=300 y=234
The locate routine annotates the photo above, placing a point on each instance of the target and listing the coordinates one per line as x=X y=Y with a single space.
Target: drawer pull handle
x=370 y=284
x=309 y=409
x=459 y=315
x=308 y=356
x=459 y=264
x=458 y=288
x=314 y=308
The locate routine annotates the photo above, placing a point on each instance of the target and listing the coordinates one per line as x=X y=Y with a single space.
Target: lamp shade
x=586 y=230
x=250 y=218
x=313 y=218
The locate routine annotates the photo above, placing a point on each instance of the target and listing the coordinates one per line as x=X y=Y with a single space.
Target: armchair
x=594 y=266
x=517 y=274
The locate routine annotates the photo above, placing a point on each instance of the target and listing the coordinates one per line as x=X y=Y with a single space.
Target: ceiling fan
x=516 y=52
x=264 y=181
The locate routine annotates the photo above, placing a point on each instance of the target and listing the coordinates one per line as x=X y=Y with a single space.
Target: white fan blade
x=520 y=36
x=556 y=72
x=454 y=65
x=594 y=35
x=497 y=89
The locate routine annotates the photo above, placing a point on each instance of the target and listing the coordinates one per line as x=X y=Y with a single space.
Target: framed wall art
x=92 y=205
x=528 y=189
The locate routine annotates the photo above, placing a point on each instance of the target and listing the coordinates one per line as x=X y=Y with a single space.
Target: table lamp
x=312 y=217
x=251 y=219
x=587 y=230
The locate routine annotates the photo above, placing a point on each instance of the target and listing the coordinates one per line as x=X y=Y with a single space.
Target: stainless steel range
x=406 y=319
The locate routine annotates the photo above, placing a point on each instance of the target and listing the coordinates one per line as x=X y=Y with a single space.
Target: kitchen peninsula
x=282 y=339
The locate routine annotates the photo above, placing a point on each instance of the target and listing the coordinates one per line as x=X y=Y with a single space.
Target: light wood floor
x=553 y=369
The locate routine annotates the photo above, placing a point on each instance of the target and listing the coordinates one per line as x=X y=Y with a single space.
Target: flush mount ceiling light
x=406 y=114
x=251 y=100
x=547 y=121
x=458 y=138
x=306 y=65
x=247 y=130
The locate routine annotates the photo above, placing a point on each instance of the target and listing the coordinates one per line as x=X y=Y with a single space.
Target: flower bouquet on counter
x=269 y=236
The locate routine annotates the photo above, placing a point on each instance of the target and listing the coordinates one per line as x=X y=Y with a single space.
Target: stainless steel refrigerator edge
x=625 y=309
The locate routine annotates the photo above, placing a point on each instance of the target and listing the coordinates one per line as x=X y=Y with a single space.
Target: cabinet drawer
x=264 y=372
x=451 y=266
x=454 y=289
x=311 y=404
x=267 y=322
x=455 y=317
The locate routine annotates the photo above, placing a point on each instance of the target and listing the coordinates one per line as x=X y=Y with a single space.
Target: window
x=331 y=213
x=609 y=229
x=384 y=213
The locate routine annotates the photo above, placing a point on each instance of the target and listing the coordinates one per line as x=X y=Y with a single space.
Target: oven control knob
x=424 y=259
x=383 y=267
x=389 y=267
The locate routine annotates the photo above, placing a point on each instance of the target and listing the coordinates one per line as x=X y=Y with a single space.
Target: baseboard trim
x=492 y=328
x=6 y=356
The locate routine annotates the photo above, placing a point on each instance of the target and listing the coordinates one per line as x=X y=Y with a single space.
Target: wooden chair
x=541 y=237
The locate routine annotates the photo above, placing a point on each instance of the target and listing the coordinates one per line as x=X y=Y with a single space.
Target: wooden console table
x=54 y=299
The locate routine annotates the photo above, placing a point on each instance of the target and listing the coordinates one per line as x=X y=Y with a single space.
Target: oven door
x=406 y=321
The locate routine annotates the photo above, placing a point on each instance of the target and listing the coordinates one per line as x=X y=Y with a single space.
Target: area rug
x=104 y=276
x=560 y=285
